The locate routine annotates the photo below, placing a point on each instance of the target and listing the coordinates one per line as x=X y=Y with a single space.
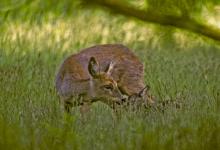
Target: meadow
x=182 y=69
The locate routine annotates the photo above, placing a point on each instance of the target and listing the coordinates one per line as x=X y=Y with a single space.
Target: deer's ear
x=144 y=91
x=93 y=67
x=109 y=68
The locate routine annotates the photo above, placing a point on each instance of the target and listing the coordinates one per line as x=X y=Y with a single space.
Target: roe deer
x=102 y=73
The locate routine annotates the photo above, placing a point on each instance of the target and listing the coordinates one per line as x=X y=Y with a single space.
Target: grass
x=181 y=68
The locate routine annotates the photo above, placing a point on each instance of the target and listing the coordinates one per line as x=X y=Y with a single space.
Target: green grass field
x=181 y=68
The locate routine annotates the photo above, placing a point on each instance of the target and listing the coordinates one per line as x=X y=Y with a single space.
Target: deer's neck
x=84 y=86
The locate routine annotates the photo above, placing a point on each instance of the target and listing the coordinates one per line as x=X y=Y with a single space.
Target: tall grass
x=182 y=70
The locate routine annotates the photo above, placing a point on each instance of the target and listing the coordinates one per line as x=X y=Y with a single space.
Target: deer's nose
x=124 y=98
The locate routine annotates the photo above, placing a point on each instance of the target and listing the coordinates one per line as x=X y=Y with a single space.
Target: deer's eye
x=108 y=87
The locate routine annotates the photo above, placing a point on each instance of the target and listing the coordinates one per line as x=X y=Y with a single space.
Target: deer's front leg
x=68 y=106
x=85 y=108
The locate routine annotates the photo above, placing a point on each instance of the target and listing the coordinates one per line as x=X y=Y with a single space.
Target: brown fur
x=127 y=73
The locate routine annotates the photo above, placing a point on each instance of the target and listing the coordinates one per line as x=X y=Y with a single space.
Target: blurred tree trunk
x=183 y=21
